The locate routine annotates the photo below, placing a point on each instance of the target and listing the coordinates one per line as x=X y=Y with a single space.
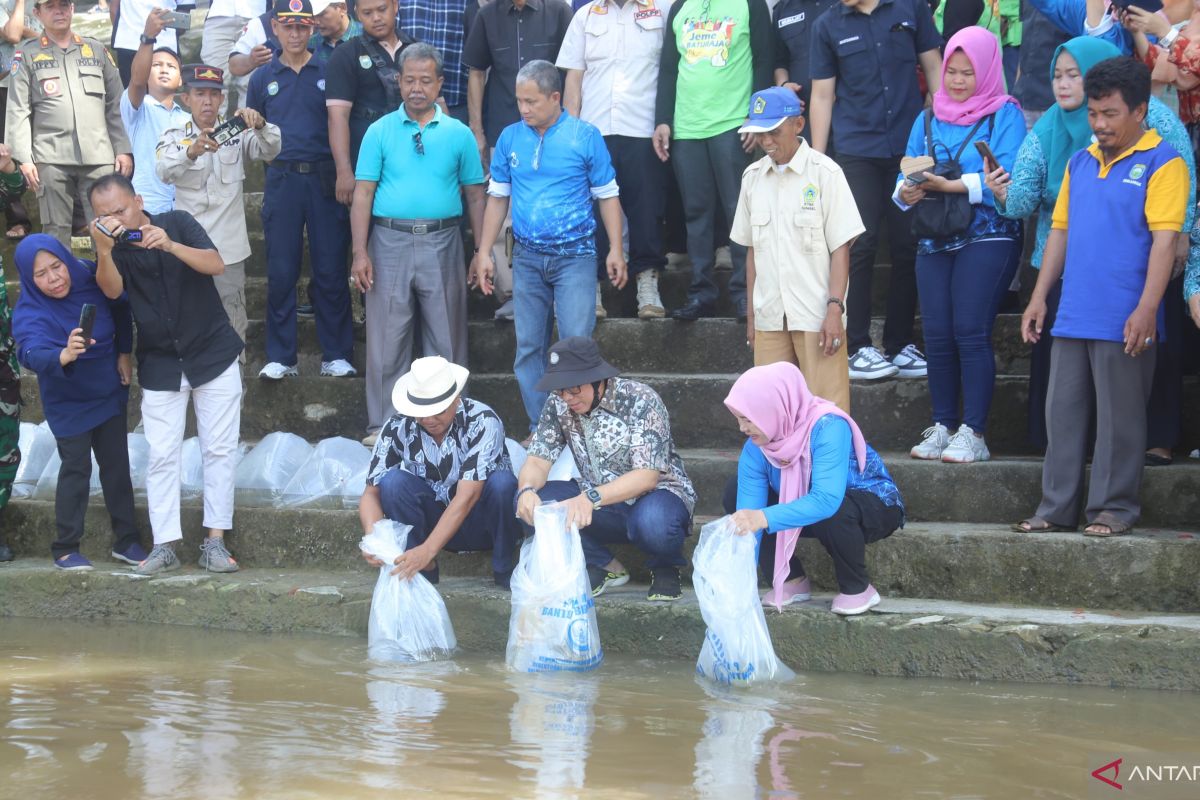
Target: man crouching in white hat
x=440 y=465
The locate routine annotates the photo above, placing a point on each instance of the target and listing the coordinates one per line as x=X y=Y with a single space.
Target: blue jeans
x=656 y=523
x=490 y=524
x=548 y=288
x=960 y=295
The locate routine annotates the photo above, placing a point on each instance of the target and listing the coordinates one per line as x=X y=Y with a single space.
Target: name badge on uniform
x=792 y=20
x=364 y=61
x=648 y=20
x=51 y=87
x=273 y=88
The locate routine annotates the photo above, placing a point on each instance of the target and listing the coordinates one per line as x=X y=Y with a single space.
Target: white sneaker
x=911 y=362
x=338 y=368
x=868 y=364
x=937 y=436
x=277 y=372
x=650 y=305
x=965 y=447
x=600 y=312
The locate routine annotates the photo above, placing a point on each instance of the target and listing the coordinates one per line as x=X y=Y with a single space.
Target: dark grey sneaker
x=664 y=584
x=214 y=557
x=162 y=558
x=602 y=579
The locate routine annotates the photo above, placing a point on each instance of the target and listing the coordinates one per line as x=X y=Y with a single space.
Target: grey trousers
x=61 y=186
x=231 y=288
x=1087 y=373
x=419 y=278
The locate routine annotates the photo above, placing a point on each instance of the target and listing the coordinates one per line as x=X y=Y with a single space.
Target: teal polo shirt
x=413 y=185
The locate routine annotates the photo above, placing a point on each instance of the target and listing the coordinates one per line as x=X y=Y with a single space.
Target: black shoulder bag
x=943 y=215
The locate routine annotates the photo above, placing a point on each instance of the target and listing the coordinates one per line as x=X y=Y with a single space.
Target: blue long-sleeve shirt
x=80 y=396
x=834 y=471
x=1070 y=16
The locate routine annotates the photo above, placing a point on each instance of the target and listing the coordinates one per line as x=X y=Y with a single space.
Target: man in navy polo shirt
x=552 y=166
x=1121 y=207
x=865 y=54
x=795 y=23
x=289 y=92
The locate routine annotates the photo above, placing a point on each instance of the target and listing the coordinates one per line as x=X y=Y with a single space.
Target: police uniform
x=210 y=189
x=299 y=195
x=64 y=116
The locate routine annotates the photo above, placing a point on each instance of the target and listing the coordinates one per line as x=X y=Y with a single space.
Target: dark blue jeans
x=489 y=525
x=960 y=295
x=657 y=522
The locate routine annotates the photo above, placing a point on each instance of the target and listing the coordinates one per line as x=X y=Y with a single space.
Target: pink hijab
x=776 y=399
x=983 y=51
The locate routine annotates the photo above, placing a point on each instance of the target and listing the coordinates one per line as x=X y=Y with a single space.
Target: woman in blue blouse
x=84 y=388
x=807 y=471
x=962 y=279
x=1037 y=177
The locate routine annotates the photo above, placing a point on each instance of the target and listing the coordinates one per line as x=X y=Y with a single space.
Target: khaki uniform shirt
x=794 y=219
x=210 y=188
x=64 y=106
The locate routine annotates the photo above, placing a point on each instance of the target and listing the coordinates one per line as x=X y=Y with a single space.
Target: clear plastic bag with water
x=408 y=619
x=265 y=472
x=737 y=647
x=563 y=469
x=323 y=480
x=191 y=480
x=139 y=462
x=47 y=485
x=38 y=446
x=552 y=627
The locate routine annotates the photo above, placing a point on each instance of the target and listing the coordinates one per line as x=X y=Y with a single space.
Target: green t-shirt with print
x=715 y=67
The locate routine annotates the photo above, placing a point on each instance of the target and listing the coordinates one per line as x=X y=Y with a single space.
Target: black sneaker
x=664 y=584
x=602 y=579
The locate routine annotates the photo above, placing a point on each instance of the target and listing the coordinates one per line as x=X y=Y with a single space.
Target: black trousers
x=1164 y=412
x=643 y=181
x=108 y=442
x=862 y=518
x=872 y=181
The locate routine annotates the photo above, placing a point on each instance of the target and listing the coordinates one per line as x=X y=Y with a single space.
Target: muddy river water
x=108 y=711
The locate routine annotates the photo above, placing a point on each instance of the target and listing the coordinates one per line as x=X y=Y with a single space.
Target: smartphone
x=989 y=159
x=228 y=129
x=180 y=21
x=87 y=318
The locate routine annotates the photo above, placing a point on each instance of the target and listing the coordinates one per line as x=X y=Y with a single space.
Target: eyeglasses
x=417 y=143
x=572 y=391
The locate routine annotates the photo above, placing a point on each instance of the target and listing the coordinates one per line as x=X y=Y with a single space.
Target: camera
x=228 y=129
x=124 y=237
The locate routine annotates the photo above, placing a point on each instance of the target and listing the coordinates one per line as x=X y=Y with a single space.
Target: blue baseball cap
x=769 y=108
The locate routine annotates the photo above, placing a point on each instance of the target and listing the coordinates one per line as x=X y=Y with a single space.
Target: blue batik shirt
x=553 y=179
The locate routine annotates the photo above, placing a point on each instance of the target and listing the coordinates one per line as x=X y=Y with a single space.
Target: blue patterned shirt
x=441 y=24
x=472 y=449
x=834 y=472
x=552 y=179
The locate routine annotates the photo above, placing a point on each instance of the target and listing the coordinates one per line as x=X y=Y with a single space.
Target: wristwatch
x=594 y=496
x=1170 y=38
x=150 y=40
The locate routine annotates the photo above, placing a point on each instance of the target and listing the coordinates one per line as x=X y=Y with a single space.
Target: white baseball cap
x=320 y=5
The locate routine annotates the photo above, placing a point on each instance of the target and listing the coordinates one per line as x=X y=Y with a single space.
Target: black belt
x=417 y=226
x=303 y=167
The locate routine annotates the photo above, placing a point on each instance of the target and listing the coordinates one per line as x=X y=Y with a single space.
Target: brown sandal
x=1038 y=525
x=1115 y=526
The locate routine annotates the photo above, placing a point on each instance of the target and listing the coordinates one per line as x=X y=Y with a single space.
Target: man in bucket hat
x=440 y=465
x=632 y=487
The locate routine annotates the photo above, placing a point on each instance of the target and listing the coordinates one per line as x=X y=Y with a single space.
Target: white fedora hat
x=429 y=387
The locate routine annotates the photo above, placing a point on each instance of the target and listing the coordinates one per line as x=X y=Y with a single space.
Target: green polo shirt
x=412 y=184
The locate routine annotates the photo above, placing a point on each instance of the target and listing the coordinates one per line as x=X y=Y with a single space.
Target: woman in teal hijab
x=1037 y=177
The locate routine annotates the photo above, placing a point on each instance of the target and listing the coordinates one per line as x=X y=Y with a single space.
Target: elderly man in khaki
x=64 y=116
x=208 y=178
x=797 y=219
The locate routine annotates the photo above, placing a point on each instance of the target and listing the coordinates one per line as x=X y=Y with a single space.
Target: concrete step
x=1153 y=569
x=892 y=413
x=926 y=638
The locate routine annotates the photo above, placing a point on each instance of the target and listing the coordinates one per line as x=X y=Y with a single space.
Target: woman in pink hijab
x=807 y=471
x=963 y=274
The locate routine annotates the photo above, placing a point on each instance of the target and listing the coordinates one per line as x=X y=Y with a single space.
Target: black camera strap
x=385 y=70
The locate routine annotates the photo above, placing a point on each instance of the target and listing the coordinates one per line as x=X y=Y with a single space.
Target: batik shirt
x=472 y=449
x=630 y=429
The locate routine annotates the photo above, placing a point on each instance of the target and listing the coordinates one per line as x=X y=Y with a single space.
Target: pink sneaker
x=796 y=591
x=850 y=604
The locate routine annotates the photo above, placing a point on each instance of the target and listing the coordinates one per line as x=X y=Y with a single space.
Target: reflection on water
x=98 y=712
